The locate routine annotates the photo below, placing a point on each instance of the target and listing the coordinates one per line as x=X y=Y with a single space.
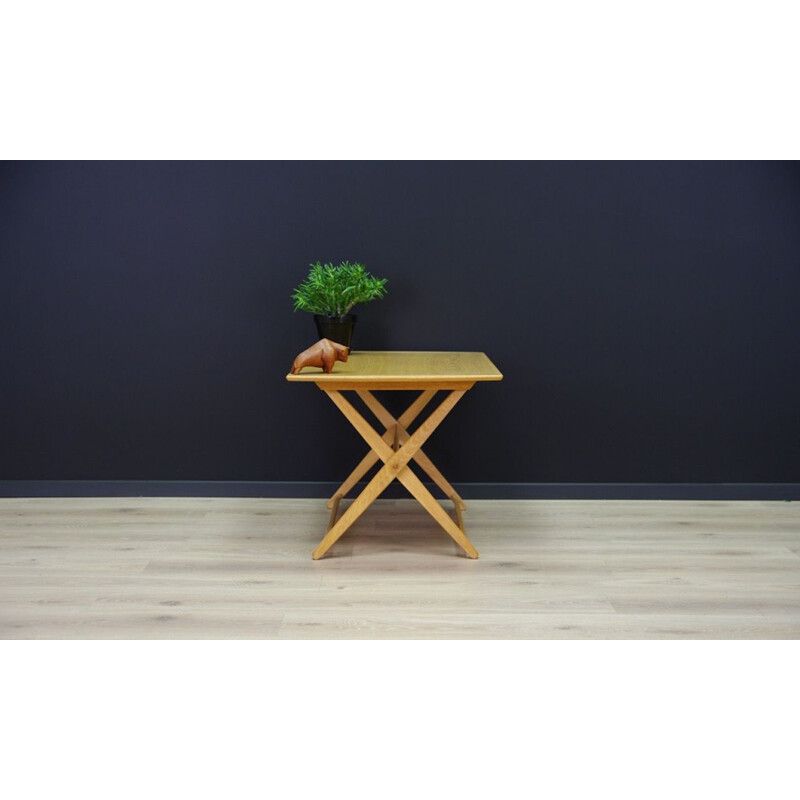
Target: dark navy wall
x=645 y=316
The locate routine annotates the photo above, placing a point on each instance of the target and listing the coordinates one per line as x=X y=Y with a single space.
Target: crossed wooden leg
x=396 y=434
x=395 y=448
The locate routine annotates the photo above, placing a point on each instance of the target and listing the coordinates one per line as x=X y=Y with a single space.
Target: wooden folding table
x=428 y=373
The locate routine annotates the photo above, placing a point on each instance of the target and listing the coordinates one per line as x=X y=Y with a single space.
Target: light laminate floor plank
x=227 y=568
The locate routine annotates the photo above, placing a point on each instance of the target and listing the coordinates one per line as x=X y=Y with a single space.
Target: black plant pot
x=337 y=329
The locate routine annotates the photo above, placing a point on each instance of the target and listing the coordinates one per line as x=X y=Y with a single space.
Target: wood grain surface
x=220 y=568
x=376 y=367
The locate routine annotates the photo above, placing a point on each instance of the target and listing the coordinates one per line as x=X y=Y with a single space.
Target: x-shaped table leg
x=395 y=466
x=396 y=434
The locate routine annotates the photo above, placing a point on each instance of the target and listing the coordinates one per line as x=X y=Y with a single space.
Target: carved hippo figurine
x=324 y=353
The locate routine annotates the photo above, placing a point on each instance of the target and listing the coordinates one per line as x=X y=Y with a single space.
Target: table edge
x=333 y=377
x=361 y=380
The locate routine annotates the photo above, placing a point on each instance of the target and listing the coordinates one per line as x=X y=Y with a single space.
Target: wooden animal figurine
x=324 y=353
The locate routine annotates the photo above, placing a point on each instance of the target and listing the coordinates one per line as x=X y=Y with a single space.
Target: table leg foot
x=458 y=506
x=333 y=504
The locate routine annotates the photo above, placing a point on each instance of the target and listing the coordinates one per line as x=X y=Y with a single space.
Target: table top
x=401 y=369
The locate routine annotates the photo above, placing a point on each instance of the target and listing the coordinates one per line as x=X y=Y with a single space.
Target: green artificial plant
x=333 y=291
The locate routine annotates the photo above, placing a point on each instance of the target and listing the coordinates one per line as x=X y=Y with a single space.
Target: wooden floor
x=210 y=568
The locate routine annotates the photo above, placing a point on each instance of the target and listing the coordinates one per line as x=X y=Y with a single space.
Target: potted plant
x=329 y=292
